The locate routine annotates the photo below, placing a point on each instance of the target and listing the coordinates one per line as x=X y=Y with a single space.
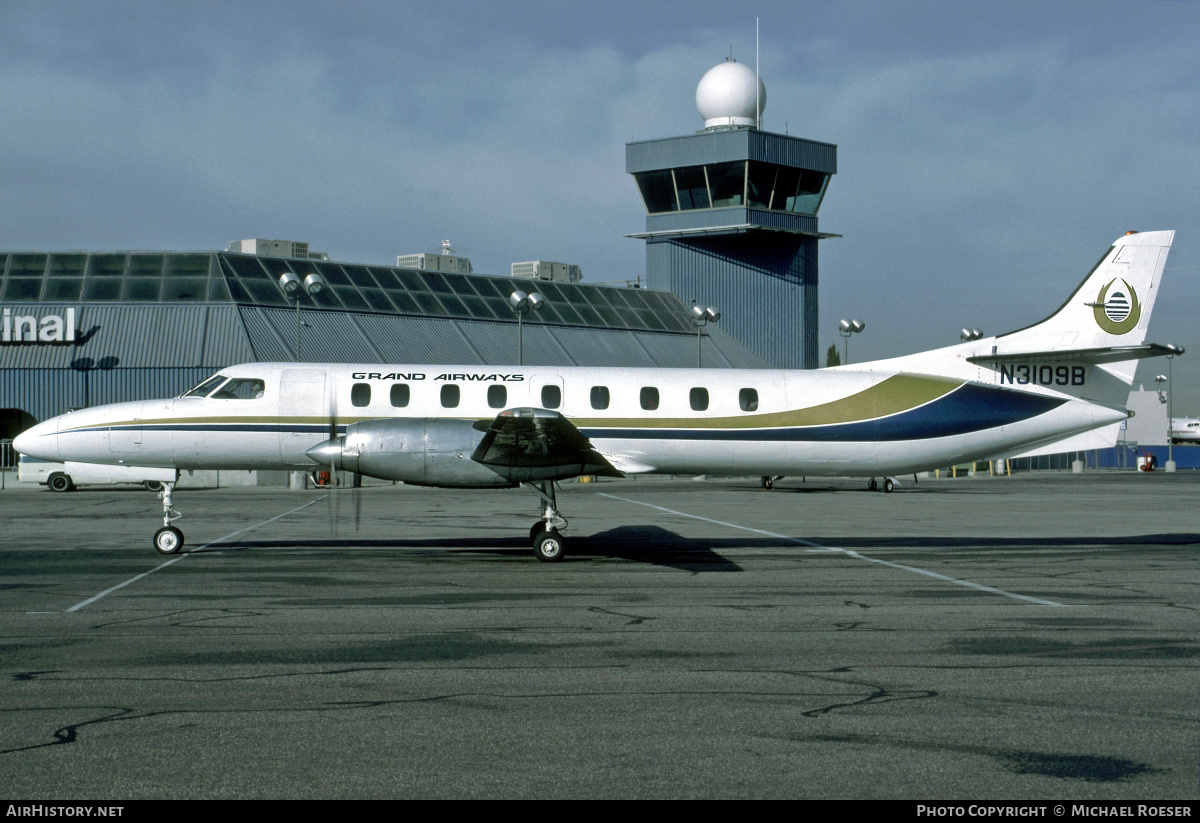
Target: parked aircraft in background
x=1185 y=430
x=1047 y=387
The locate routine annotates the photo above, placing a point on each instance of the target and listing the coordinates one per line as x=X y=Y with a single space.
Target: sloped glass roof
x=226 y=277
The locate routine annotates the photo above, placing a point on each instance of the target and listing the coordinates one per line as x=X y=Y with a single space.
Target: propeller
x=330 y=452
x=333 y=433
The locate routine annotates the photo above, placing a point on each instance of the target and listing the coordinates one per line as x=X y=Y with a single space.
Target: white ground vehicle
x=64 y=477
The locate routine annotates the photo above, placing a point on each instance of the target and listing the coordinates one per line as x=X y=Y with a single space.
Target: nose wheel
x=168 y=539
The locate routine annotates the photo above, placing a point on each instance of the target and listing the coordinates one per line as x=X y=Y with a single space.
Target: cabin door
x=304 y=413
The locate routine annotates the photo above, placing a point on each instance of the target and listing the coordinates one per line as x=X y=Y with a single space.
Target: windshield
x=205 y=387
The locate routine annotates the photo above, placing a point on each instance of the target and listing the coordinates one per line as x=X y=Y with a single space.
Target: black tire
x=768 y=483
x=536 y=529
x=59 y=482
x=549 y=547
x=168 y=540
x=153 y=485
x=872 y=485
x=887 y=485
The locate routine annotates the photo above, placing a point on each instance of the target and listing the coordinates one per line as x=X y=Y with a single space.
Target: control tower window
x=728 y=183
x=760 y=185
x=658 y=191
x=809 y=193
x=692 y=187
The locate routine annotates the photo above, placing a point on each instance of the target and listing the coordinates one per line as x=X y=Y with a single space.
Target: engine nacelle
x=418 y=451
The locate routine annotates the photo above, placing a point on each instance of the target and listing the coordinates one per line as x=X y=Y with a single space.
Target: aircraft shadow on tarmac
x=641 y=544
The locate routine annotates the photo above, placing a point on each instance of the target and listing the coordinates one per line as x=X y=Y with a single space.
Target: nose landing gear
x=168 y=539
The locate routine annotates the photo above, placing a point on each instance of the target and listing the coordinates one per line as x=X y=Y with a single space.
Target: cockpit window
x=240 y=388
x=207 y=386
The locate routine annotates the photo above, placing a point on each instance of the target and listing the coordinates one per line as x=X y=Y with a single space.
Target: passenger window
x=400 y=395
x=551 y=397
x=699 y=398
x=599 y=397
x=240 y=388
x=649 y=398
x=497 y=396
x=450 y=396
x=360 y=394
x=748 y=399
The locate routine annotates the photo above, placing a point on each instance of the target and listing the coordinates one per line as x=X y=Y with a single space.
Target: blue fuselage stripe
x=971 y=408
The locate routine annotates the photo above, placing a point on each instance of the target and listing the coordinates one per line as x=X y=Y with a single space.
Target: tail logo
x=1117 y=310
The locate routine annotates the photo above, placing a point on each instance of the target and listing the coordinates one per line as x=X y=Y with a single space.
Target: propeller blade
x=332 y=503
x=333 y=454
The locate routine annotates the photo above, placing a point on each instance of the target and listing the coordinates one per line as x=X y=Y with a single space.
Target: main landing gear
x=889 y=483
x=168 y=539
x=549 y=546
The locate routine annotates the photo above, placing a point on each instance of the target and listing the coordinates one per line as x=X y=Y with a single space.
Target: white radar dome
x=726 y=96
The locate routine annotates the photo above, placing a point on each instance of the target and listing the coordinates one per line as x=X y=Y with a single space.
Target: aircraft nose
x=40 y=441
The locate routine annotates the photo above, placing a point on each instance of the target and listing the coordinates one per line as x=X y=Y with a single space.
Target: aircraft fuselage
x=678 y=421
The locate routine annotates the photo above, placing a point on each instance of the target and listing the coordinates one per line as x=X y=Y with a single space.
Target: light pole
x=845 y=329
x=292 y=286
x=1170 y=420
x=522 y=303
x=702 y=316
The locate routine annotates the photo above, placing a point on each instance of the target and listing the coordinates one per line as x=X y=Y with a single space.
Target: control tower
x=731 y=218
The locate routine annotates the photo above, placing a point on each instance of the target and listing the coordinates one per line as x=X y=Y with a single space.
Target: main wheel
x=872 y=485
x=168 y=540
x=768 y=483
x=549 y=547
x=887 y=485
x=60 y=482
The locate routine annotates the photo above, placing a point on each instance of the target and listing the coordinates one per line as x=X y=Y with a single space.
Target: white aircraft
x=1185 y=430
x=1046 y=387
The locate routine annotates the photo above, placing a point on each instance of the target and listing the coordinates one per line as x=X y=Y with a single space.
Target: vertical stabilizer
x=1089 y=347
x=1110 y=308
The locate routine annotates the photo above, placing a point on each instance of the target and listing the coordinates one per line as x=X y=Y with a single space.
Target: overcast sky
x=987 y=152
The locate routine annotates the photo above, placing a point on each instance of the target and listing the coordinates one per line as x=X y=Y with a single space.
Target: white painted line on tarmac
x=107 y=592
x=847 y=552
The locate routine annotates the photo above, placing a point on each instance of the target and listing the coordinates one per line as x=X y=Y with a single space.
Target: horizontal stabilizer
x=1107 y=354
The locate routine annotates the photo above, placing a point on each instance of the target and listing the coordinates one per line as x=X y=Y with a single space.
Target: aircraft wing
x=538 y=444
x=1108 y=354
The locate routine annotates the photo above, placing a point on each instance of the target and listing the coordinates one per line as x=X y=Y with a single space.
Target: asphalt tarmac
x=1033 y=637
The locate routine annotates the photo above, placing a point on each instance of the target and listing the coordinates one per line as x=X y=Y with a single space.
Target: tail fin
x=1088 y=348
x=1110 y=309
